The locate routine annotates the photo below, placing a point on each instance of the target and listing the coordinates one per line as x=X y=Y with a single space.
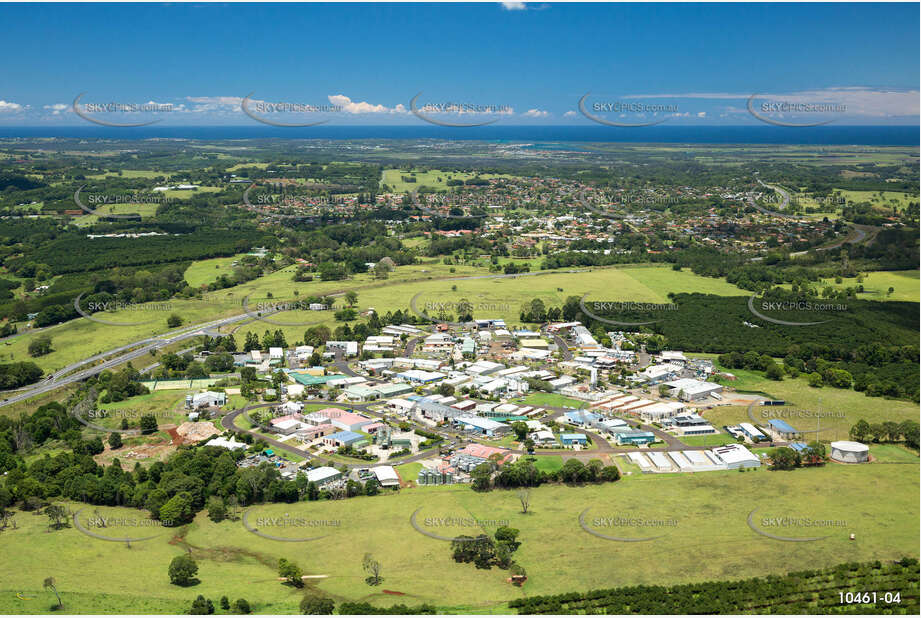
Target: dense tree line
x=802 y=592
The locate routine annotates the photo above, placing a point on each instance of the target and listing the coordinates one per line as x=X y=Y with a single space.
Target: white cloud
x=58 y=107
x=356 y=107
x=701 y=114
x=858 y=100
x=536 y=113
x=9 y=106
x=216 y=100
x=514 y=6
x=569 y=114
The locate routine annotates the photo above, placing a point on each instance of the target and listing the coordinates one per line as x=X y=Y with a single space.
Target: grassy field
x=203 y=272
x=711 y=540
x=434 y=179
x=711 y=440
x=497 y=297
x=876 y=285
x=885 y=200
x=840 y=409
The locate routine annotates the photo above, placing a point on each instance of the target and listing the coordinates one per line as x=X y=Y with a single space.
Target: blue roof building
x=799 y=447
x=573 y=438
x=582 y=417
x=783 y=428
x=344 y=438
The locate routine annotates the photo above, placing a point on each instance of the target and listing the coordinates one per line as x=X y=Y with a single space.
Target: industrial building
x=736 y=456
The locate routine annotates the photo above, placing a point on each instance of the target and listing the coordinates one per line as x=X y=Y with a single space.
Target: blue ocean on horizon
x=741 y=134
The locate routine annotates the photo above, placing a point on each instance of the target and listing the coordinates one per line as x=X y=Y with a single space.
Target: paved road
x=114 y=357
x=411 y=346
x=562 y=346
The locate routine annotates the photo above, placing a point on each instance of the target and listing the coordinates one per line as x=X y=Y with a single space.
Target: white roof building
x=322 y=475
x=386 y=476
x=736 y=456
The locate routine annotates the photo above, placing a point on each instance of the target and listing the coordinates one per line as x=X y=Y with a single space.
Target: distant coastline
x=901 y=135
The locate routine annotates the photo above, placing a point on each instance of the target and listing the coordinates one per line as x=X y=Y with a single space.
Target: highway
x=115 y=357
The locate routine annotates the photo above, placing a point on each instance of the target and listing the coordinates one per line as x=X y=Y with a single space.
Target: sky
x=510 y=63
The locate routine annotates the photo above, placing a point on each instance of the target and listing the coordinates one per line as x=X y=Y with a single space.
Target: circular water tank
x=849 y=452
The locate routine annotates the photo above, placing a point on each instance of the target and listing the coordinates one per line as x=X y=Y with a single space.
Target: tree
x=351 y=297
x=115 y=440
x=225 y=602
x=291 y=572
x=182 y=571
x=241 y=606
x=312 y=605
x=40 y=346
x=148 y=423
x=202 y=606
x=784 y=458
x=217 y=510
x=57 y=516
x=524 y=497
x=174 y=321
x=50 y=584
x=481 y=476
x=373 y=569
x=177 y=510
x=521 y=430
x=861 y=431
x=774 y=372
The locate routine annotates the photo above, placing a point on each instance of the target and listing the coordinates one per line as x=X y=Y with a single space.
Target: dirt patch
x=141 y=452
x=193 y=432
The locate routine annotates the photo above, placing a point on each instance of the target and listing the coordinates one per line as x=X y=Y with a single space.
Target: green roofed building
x=309 y=380
x=388 y=391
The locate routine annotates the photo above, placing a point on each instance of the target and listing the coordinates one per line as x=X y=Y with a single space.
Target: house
x=570 y=439
x=276 y=353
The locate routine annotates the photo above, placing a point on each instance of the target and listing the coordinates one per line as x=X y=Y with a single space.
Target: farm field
x=875 y=502
x=842 y=408
x=433 y=179
x=203 y=272
x=502 y=296
x=876 y=285
x=884 y=200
